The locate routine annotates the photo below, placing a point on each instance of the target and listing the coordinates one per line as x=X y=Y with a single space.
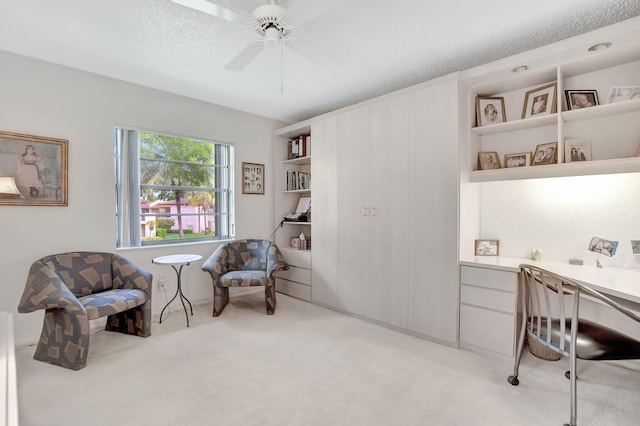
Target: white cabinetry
x=488 y=310
x=372 y=210
x=296 y=281
x=611 y=128
x=433 y=211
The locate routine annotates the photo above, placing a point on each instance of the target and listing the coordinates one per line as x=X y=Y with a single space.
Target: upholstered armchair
x=244 y=263
x=76 y=287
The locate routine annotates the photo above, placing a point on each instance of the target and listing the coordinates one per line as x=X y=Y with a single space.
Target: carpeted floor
x=307 y=365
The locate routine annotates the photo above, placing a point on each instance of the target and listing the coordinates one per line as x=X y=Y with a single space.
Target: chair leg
x=270 y=299
x=136 y=321
x=220 y=299
x=64 y=340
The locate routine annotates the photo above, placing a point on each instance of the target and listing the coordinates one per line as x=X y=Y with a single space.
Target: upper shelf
x=301 y=161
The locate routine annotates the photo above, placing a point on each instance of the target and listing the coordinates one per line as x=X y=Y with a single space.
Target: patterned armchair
x=244 y=263
x=77 y=287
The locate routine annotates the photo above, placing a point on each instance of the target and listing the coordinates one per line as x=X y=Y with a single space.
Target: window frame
x=129 y=209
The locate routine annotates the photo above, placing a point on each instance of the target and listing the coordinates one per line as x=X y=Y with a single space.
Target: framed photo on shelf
x=252 y=178
x=488 y=160
x=546 y=153
x=294 y=242
x=487 y=247
x=605 y=247
x=33 y=170
x=490 y=110
x=518 y=159
x=577 y=99
x=577 y=150
x=540 y=101
x=623 y=93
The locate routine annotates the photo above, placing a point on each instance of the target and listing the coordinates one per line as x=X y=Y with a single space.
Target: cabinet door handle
x=374 y=211
x=365 y=211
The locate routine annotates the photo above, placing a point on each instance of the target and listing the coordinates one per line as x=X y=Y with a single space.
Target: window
x=171 y=189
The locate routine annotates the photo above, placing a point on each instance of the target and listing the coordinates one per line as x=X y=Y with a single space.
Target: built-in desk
x=489 y=305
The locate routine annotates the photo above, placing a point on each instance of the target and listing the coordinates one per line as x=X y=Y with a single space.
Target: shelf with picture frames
x=606 y=132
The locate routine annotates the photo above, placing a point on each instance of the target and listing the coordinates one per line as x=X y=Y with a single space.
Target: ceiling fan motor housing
x=269 y=22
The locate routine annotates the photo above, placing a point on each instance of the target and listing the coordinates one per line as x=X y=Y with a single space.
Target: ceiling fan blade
x=245 y=57
x=305 y=10
x=215 y=10
x=314 y=54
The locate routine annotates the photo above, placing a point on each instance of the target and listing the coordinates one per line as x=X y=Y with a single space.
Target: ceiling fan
x=268 y=20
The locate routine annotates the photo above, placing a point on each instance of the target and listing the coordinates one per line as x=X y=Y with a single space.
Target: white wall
x=43 y=99
x=560 y=216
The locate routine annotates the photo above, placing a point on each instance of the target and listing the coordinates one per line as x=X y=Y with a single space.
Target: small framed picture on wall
x=487 y=247
x=252 y=178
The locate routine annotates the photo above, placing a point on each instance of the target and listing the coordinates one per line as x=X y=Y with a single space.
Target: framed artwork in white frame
x=577 y=150
x=252 y=178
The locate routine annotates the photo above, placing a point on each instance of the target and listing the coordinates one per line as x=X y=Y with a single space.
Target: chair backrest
x=83 y=273
x=245 y=255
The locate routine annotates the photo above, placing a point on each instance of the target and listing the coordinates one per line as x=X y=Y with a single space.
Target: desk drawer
x=486 y=298
x=489 y=278
x=489 y=330
x=297 y=274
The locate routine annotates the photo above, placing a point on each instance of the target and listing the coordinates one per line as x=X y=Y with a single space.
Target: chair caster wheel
x=513 y=380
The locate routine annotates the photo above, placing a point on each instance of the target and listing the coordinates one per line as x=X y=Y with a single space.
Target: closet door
x=354 y=273
x=389 y=215
x=324 y=231
x=433 y=211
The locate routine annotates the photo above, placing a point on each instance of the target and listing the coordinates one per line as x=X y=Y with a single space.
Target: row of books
x=297 y=181
x=299 y=147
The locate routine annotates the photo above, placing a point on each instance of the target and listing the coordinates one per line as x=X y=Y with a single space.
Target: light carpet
x=307 y=365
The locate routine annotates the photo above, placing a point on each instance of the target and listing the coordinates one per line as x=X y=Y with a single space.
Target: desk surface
x=619 y=282
x=177 y=259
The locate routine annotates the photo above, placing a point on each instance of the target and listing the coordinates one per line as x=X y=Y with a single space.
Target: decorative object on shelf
x=518 y=159
x=577 y=99
x=577 y=150
x=546 y=153
x=623 y=93
x=488 y=160
x=536 y=254
x=540 y=101
x=298 y=181
x=303 y=242
x=487 y=247
x=490 y=110
x=605 y=247
x=635 y=246
x=294 y=242
x=252 y=178
x=34 y=170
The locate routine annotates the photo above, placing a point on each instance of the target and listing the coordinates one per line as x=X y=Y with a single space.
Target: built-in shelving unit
x=611 y=129
x=296 y=281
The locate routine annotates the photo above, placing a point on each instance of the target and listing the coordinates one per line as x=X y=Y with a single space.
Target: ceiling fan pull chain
x=281 y=68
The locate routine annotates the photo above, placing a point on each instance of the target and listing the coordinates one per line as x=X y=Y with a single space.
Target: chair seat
x=595 y=342
x=112 y=302
x=244 y=279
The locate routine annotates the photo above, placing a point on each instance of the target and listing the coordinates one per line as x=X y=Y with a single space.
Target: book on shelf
x=299 y=147
x=298 y=181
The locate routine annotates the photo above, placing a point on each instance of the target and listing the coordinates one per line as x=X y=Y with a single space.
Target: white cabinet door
x=354 y=292
x=390 y=203
x=324 y=204
x=433 y=211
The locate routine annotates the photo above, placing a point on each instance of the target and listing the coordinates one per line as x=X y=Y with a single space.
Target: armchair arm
x=216 y=264
x=275 y=261
x=46 y=290
x=127 y=274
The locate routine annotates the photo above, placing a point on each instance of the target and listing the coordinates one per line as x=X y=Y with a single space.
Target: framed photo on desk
x=487 y=247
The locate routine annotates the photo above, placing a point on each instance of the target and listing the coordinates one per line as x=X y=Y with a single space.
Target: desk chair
x=544 y=297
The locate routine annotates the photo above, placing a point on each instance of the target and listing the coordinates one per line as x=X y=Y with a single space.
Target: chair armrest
x=128 y=275
x=275 y=261
x=216 y=264
x=46 y=290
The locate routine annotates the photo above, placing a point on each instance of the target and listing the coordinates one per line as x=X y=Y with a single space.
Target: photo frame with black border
x=540 y=101
x=578 y=99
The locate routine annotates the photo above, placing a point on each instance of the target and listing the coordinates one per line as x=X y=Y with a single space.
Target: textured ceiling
x=376 y=46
